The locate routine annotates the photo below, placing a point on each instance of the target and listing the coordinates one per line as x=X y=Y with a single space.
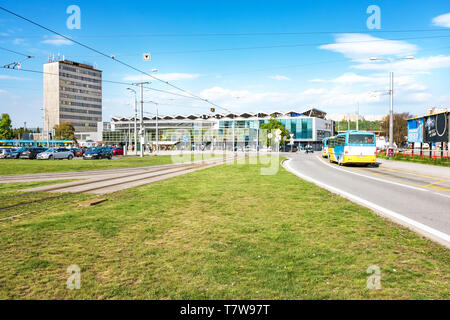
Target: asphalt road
x=419 y=200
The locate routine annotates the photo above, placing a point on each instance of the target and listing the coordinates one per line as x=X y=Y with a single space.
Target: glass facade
x=301 y=128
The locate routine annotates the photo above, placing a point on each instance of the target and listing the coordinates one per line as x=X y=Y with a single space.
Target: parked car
x=108 y=150
x=287 y=148
x=309 y=150
x=117 y=151
x=77 y=152
x=4 y=153
x=31 y=153
x=55 y=153
x=15 y=153
x=97 y=153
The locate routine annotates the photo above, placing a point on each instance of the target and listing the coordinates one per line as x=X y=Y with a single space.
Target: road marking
x=443 y=195
x=373 y=178
x=381 y=174
x=424 y=230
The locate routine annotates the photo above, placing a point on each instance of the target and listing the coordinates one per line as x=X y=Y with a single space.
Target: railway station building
x=307 y=128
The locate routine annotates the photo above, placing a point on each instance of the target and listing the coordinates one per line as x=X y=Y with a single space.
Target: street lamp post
x=391 y=93
x=135 y=119
x=157 y=124
x=142 y=129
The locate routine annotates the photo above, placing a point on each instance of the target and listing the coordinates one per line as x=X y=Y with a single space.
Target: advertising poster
x=436 y=128
x=415 y=130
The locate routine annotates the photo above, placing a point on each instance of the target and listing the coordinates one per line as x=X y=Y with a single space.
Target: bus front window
x=361 y=139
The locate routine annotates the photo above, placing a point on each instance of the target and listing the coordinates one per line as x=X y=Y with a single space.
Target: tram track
x=109 y=183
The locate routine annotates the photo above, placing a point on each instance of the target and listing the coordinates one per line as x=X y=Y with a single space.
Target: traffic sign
x=147 y=56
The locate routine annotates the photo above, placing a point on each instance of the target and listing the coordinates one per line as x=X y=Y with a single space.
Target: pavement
x=414 y=195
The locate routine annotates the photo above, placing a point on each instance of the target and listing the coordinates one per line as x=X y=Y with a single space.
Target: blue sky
x=329 y=70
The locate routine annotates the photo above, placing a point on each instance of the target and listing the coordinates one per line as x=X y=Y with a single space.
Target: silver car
x=4 y=153
x=55 y=153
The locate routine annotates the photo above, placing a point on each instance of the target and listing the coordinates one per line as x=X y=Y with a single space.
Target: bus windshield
x=361 y=139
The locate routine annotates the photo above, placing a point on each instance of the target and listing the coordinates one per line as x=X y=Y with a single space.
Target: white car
x=55 y=153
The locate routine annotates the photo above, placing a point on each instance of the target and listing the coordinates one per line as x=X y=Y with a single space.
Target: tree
x=18 y=133
x=64 y=131
x=6 y=131
x=400 y=127
x=273 y=125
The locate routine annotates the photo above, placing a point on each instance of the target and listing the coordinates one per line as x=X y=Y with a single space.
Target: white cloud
x=374 y=79
x=279 y=78
x=416 y=65
x=12 y=78
x=164 y=76
x=442 y=21
x=19 y=41
x=57 y=41
x=317 y=80
x=363 y=46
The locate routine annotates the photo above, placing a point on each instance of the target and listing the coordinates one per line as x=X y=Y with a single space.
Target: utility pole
x=135 y=119
x=391 y=93
x=142 y=129
x=142 y=120
x=48 y=132
x=157 y=133
x=357 y=116
x=391 y=118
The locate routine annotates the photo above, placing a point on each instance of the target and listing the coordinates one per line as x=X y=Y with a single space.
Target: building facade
x=307 y=128
x=72 y=93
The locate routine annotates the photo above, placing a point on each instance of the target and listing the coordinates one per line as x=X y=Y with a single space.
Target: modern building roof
x=230 y=116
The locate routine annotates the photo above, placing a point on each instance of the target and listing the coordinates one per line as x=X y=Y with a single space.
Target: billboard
x=415 y=130
x=436 y=128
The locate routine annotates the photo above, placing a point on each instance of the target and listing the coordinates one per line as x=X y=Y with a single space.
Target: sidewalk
x=426 y=169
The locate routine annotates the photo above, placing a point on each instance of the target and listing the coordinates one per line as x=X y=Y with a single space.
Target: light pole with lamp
x=157 y=129
x=391 y=93
x=135 y=119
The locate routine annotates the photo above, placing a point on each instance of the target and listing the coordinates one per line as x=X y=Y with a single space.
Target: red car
x=77 y=152
x=117 y=151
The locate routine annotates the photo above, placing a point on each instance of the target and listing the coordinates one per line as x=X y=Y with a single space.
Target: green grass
x=418 y=159
x=222 y=233
x=22 y=166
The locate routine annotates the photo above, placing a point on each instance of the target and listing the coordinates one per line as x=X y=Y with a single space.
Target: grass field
x=222 y=233
x=418 y=159
x=23 y=166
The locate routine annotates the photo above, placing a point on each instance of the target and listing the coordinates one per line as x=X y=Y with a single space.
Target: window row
x=71 y=76
x=80 y=111
x=78 y=70
x=78 y=84
x=79 y=104
x=92 y=93
x=75 y=97
x=66 y=116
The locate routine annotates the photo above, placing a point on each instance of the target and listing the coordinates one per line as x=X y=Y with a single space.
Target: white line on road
x=373 y=178
x=425 y=230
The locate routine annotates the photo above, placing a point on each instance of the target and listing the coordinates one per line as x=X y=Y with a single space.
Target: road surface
x=418 y=199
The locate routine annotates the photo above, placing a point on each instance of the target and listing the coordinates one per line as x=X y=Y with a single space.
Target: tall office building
x=72 y=93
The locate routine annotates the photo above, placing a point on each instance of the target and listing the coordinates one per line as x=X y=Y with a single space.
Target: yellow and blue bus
x=353 y=147
x=331 y=142
x=325 y=148
x=9 y=144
